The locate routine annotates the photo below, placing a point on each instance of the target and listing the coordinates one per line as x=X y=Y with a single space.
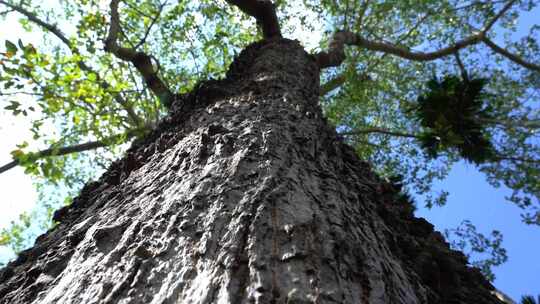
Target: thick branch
x=264 y=12
x=336 y=53
x=141 y=61
x=55 y=31
x=340 y=79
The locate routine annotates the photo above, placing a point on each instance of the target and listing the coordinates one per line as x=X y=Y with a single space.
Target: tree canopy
x=106 y=71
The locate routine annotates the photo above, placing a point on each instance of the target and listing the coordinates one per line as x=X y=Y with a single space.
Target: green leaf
x=11 y=48
x=14 y=106
x=17 y=154
x=20 y=43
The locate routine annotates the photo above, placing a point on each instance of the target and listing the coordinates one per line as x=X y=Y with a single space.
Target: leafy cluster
x=483 y=252
x=453 y=112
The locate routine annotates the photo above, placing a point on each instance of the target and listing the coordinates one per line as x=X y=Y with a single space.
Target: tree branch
x=462 y=69
x=3 y=13
x=74 y=50
x=510 y=56
x=55 y=151
x=336 y=53
x=332 y=84
x=513 y=122
x=503 y=11
x=152 y=23
x=516 y=159
x=498 y=157
x=141 y=61
x=380 y=131
x=32 y=17
x=337 y=81
x=341 y=78
x=91 y=145
x=362 y=13
x=264 y=12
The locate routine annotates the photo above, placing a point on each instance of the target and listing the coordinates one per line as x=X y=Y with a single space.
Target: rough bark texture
x=244 y=194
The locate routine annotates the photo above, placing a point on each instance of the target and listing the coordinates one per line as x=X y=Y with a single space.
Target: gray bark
x=244 y=194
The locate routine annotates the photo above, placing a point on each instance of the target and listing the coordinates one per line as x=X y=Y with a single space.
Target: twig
x=152 y=23
x=513 y=122
x=363 y=10
x=464 y=73
x=2 y=13
x=380 y=131
x=32 y=17
x=503 y=11
x=517 y=159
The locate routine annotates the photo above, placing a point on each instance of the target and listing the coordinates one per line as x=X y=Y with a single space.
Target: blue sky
x=470 y=197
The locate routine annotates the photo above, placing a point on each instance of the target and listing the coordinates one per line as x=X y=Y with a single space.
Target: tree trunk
x=244 y=194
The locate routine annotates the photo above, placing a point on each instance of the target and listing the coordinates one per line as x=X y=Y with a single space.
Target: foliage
x=14 y=236
x=452 y=112
x=486 y=251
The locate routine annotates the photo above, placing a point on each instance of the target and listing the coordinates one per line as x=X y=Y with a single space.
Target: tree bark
x=244 y=194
